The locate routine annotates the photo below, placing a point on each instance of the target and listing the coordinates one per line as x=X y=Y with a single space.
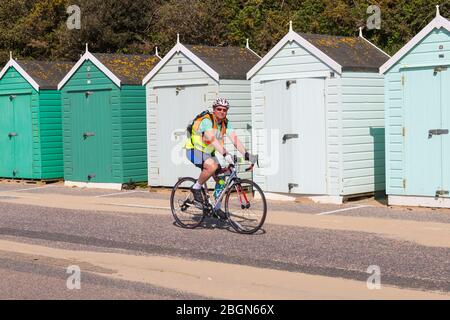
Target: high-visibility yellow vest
x=198 y=140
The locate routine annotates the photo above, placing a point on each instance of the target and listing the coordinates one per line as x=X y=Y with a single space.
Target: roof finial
x=360 y=32
x=438 y=14
x=157 y=53
x=250 y=49
x=178 y=38
x=290 y=26
x=10 y=55
x=87 y=47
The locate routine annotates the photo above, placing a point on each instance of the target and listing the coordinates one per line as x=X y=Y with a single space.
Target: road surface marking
x=18 y=190
x=138 y=206
x=340 y=210
x=116 y=193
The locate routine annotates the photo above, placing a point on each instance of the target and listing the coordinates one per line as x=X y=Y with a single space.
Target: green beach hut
x=104 y=120
x=31 y=145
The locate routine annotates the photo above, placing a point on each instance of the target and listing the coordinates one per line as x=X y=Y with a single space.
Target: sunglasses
x=221 y=109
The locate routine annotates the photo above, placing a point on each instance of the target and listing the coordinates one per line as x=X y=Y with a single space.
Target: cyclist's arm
x=210 y=136
x=236 y=142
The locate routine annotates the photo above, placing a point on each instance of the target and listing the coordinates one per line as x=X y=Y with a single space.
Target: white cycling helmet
x=222 y=102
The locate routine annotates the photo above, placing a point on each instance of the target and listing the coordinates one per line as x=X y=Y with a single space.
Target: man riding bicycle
x=208 y=136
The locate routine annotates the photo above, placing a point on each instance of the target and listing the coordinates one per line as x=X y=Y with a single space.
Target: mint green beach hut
x=417 y=102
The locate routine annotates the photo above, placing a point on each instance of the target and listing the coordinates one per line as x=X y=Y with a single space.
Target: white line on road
x=13 y=196
x=18 y=190
x=139 y=206
x=117 y=193
x=340 y=210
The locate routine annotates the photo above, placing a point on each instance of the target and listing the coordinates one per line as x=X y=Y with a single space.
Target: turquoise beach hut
x=417 y=102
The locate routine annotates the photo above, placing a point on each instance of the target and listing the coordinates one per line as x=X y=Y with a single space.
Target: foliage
x=37 y=28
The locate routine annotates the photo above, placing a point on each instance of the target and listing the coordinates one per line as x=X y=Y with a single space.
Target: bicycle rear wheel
x=246 y=207
x=184 y=211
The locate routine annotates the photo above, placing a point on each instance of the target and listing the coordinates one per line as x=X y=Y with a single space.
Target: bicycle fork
x=242 y=196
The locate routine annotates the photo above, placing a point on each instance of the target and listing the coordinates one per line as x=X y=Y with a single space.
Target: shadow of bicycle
x=210 y=223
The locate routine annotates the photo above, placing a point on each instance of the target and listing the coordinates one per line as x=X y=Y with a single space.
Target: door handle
x=88 y=134
x=290 y=136
x=12 y=134
x=179 y=133
x=441 y=193
x=436 y=132
x=289 y=82
x=292 y=185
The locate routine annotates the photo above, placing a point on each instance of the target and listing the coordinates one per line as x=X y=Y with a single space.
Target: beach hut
x=417 y=102
x=318 y=116
x=182 y=85
x=104 y=120
x=30 y=119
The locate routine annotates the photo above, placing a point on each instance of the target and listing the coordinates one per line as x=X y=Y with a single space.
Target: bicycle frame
x=230 y=182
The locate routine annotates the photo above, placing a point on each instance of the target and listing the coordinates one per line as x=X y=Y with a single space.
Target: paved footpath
x=127 y=247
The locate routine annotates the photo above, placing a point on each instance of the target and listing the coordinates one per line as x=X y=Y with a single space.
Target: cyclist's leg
x=208 y=164
x=210 y=167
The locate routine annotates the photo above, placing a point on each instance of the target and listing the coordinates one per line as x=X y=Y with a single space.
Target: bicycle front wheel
x=185 y=213
x=246 y=207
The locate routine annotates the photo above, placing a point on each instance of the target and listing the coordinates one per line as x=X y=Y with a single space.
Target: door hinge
x=404 y=183
x=178 y=89
x=88 y=134
x=289 y=136
x=403 y=80
x=403 y=131
x=436 y=132
x=439 y=69
x=440 y=193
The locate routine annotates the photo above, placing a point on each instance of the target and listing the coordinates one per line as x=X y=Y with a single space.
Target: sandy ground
x=216 y=280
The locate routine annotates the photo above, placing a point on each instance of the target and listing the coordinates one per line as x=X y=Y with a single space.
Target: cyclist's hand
x=229 y=158
x=250 y=157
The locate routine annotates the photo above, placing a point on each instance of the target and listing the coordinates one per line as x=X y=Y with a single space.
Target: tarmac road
x=138 y=253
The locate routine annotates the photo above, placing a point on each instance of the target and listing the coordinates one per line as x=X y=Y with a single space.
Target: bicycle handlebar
x=237 y=160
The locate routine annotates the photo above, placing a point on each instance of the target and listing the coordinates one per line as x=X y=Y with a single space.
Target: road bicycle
x=245 y=205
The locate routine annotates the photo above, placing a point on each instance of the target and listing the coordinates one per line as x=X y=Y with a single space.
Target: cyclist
x=208 y=136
